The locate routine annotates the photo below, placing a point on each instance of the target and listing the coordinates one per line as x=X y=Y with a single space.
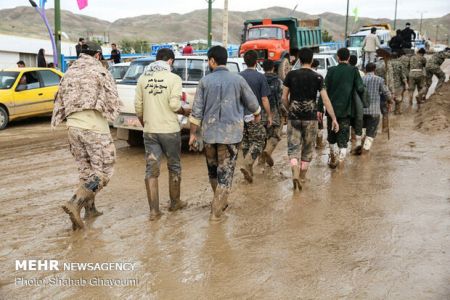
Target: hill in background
x=24 y=21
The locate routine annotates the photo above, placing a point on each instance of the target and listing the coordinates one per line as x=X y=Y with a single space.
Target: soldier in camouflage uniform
x=433 y=67
x=273 y=132
x=382 y=69
x=88 y=99
x=404 y=59
x=255 y=133
x=417 y=76
x=397 y=82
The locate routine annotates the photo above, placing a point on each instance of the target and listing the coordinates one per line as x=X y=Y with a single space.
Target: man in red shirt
x=188 y=50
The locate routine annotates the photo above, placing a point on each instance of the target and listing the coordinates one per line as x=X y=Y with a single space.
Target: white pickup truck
x=190 y=68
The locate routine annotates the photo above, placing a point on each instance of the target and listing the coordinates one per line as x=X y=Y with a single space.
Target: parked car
x=326 y=61
x=190 y=68
x=27 y=92
x=118 y=71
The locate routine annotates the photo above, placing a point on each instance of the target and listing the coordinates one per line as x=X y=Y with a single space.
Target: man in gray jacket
x=219 y=109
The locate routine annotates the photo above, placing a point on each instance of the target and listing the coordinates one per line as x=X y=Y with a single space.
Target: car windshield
x=7 y=79
x=265 y=33
x=135 y=71
x=356 y=41
x=321 y=63
x=118 y=72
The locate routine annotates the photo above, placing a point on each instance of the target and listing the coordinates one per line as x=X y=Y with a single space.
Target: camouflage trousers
x=254 y=139
x=435 y=70
x=94 y=154
x=301 y=139
x=417 y=79
x=221 y=162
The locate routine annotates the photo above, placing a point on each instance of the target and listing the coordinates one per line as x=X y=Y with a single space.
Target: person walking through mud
x=157 y=103
x=375 y=87
x=218 y=108
x=299 y=97
x=273 y=136
x=417 y=65
x=87 y=98
x=255 y=132
x=433 y=67
x=341 y=82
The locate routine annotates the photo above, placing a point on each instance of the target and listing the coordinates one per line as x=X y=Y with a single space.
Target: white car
x=326 y=61
x=119 y=70
x=190 y=68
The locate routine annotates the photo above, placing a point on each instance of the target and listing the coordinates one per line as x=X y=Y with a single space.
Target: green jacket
x=340 y=83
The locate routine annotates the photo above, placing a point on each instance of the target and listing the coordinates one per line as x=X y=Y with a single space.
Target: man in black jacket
x=79 y=46
x=396 y=43
x=408 y=34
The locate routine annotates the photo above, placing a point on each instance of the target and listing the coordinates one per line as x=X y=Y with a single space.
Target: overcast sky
x=115 y=9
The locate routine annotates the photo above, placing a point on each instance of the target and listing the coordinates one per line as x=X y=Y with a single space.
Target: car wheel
x=135 y=138
x=4 y=118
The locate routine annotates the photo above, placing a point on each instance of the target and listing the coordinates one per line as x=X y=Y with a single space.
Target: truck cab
x=273 y=38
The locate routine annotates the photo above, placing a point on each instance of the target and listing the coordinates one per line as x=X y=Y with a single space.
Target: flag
x=42 y=3
x=355 y=13
x=82 y=4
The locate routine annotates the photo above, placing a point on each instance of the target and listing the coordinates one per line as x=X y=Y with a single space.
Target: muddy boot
x=73 y=207
x=303 y=175
x=367 y=145
x=90 y=211
x=384 y=124
x=151 y=184
x=333 y=160
x=247 y=169
x=358 y=145
x=296 y=178
x=213 y=183
x=270 y=147
x=398 y=108
x=261 y=161
x=319 y=141
x=341 y=158
x=219 y=203
x=174 y=193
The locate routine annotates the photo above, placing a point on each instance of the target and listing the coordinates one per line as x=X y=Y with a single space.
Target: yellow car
x=27 y=92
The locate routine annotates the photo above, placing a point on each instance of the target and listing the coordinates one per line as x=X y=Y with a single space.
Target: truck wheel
x=4 y=118
x=284 y=68
x=135 y=138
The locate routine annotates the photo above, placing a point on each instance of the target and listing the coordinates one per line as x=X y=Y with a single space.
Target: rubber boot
x=384 y=124
x=213 y=183
x=90 y=211
x=73 y=207
x=296 y=178
x=341 y=159
x=174 y=193
x=219 y=203
x=151 y=185
x=367 y=145
x=303 y=175
x=333 y=161
x=267 y=153
x=247 y=169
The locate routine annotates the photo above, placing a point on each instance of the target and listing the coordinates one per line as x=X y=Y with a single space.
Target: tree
x=326 y=36
x=138 y=46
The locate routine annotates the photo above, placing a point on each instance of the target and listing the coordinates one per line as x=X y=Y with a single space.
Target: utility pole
x=225 y=24
x=210 y=22
x=420 y=26
x=437 y=32
x=346 y=24
x=395 y=16
x=58 y=31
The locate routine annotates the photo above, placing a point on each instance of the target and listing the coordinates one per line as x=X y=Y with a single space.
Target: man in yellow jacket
x=157 y=103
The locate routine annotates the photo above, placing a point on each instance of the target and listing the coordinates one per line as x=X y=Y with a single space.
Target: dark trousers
x=157 y=144
x=341 y=137
x=221 y=162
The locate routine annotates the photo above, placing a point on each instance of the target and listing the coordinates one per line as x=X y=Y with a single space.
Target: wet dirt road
x=377 y=229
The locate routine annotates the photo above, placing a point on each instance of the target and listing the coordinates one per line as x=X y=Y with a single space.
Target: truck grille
x=262 y=54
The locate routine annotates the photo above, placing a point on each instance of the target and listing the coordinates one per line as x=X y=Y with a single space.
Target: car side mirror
x=21 y=87
x=242 y=37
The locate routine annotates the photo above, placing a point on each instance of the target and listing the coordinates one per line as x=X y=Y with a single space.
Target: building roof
x=19 y=44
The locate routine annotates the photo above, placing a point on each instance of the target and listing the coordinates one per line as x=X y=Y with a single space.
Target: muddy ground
x=377 y=229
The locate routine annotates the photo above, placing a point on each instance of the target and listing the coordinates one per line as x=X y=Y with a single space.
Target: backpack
x=275 y=88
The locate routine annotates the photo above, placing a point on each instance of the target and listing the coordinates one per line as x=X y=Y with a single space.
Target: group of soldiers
x=234 y=112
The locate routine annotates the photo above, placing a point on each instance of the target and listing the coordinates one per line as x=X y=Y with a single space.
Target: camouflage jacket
x=395 y=74
x=417 y=62
x=437 y=59
x=405 y=64
x=380 y=69
x=86 y=85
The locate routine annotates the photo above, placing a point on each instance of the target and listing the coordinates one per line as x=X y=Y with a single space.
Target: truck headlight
x=271 y=54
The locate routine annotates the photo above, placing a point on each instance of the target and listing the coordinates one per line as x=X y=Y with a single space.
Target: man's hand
x=193 y=142
x=335 y=125
x=257 y=118
x=269 y=121
x=319 y=117
x=187 y=112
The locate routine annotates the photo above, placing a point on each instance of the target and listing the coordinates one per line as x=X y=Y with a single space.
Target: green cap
x=90 y=47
